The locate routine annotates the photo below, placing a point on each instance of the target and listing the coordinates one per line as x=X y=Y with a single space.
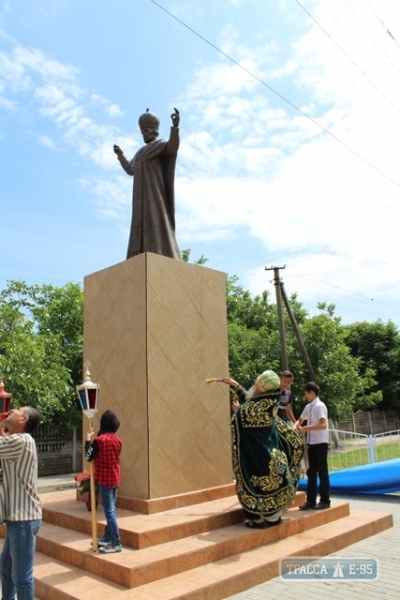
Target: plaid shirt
x=105 y=450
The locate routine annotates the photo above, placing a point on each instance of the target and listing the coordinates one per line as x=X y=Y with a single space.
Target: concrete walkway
x=384 y=546
x=57 y=483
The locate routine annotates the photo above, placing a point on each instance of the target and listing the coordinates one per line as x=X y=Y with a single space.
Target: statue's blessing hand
x=175 y=117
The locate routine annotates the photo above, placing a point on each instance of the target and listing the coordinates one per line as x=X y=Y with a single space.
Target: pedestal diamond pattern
x=156 y=329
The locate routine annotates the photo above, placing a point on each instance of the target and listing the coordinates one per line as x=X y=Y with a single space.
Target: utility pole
x=281 y=294
x=281 y=323
x=297 y=333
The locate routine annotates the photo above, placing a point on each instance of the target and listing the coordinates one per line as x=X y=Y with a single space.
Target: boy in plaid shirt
x=105 y=450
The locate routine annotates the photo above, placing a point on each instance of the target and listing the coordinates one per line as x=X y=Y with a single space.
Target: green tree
x=41 y=342
x=377 y=345
x=186 y=257
x=343 y=386
x=250 y=331
x=254 y=340
x=254 y=345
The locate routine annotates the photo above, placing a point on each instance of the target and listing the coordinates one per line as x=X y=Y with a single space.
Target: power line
x=348 y=57
x=326 y=284
x=371 y=36
x=243 y=68
x=313 y=282
x=317 y=282
x=383 y=24
x=361 y=265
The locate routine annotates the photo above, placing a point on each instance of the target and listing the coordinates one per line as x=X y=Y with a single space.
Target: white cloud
x=320 y=201
x=114 y=110
x=250 y=166
x=45 y=141
x=111 y=109
x=113 y=201
x=8 y=105
x=37 y=62
x=12 y=75
x=61 y=99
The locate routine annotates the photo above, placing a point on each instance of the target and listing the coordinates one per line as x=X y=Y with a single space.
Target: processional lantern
x=5 y=400
x=88 y=394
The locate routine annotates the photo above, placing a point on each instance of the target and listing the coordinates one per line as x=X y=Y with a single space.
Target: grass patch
x=356 y=457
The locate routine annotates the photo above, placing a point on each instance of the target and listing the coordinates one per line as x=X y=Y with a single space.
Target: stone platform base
x=199 y=552
x=149 y=507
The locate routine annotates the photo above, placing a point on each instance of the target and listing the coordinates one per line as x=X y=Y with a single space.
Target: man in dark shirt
x=285 y=404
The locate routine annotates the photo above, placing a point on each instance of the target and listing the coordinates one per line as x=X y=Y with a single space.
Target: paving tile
x=383 y=546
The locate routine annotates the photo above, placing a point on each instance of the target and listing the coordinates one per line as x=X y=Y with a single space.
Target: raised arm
x=172 y=145
x=175 y=118
x=124 y=162
x=240 y=392
x=231 y=382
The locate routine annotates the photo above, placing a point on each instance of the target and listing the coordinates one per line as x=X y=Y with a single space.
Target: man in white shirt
x=317 y=438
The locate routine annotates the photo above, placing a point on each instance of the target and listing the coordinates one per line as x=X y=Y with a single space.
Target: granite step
x=134 y=567
x=140 y=530
x=237 y=570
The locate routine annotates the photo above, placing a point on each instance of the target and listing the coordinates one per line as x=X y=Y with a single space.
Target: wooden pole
x=93 y=507
x=297 y=333
x=93 y=498
x=281 y=323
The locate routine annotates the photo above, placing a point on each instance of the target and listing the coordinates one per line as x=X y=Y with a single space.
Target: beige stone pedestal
x=154 y=329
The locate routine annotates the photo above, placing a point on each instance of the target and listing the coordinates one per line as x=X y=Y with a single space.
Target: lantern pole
x=93 y=505
x=88 y=394
x=5 y=401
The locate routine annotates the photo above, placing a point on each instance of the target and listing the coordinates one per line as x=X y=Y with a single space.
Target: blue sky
x=290 y=139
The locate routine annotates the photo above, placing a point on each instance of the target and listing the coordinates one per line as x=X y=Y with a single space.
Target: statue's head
x=149 y=126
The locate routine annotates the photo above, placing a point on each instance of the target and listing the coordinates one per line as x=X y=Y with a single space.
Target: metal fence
x=370 y=422
x=348 y=449
x=59 y=450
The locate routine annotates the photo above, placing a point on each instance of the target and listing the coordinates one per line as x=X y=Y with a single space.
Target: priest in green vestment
x=266 y=453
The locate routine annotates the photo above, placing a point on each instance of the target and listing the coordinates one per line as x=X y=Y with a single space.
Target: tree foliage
x=41 y=344
x=377 y=345
x=186 y=257
x=41 y=340
x=254 y=345
x=343 y=386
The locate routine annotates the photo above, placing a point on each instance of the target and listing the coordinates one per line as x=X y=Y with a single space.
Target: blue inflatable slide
x=376 y=478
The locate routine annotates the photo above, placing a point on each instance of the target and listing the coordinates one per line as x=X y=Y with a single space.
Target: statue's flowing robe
x=153 y=199
x=266 y=456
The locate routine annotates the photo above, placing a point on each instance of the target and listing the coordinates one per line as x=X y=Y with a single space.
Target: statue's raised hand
x=175 y=118
x=117 y=150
